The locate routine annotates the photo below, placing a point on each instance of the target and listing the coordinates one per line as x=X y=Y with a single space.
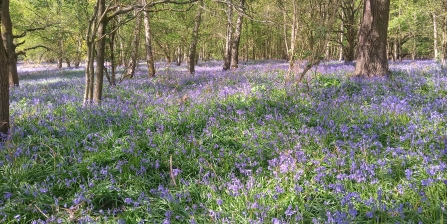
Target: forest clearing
x=229 y=147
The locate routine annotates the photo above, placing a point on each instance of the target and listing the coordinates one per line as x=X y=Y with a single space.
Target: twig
x=46 y=216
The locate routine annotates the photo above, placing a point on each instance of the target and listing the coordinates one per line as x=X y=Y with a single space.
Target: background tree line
x=416 y=29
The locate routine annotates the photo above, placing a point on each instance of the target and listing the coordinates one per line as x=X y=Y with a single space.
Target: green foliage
x=327 y=81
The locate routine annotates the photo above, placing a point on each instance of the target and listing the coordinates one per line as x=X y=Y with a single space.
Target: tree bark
x=372 y=53
x=179 y=58
x=89 y=73
x=122 y=57
x=194 y=39
x=4 y=85
x=100 y=52
x=4 y=94
x=435 y=37
x=112 y=37
x=237 y=36
x=399 y=39
x=340 y=56
x=293 y=35
x=413 y=52
x=444 y=42
x=148 y=39
x=395 y=50
x=8 y=43
x=90 y=67
x=228 y=37
x=60 y=53
x=77 y=61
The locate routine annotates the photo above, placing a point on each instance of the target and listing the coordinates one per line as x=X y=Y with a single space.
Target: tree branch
x=31 y=30
x=38 y=46
x=144 y=7
x=242 y=11
x=18 y=44
x=121 y=11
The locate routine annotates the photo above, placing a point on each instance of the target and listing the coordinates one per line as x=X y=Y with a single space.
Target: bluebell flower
x=7 y=195
x=128 y=201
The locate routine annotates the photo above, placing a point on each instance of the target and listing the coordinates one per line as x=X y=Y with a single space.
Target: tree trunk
x=8 y=43
x=194 y=39
x=395 y=50
x=444 y=42
x=372 y=54
x=351 y=35
x=112 y=37
x=100 y=52
x=435 y=37
x=340 y=56
x=413 y=52
x=399 y=41
x=95 y=37
x=121 y=56
x=60 y=57
x=89 y=73
x=90 y=67
x=351 y=31
x=135 y=45
x=148 y=39
x=237 y=36
x=4 y=83
x=327 y=53
x=4 y=94
x=179 y=56
x=227 y=53
x=77 y=61
x=293 y=37
x=165 y=51
x=59 y=62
